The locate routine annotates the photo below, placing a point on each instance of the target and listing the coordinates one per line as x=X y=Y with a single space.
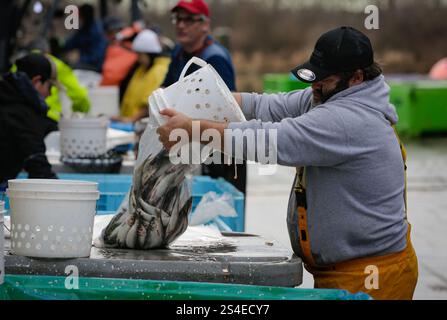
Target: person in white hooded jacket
x=347 y=209
x=152 y=69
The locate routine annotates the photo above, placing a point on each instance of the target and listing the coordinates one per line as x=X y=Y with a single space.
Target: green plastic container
x=23 y=287
x=279 y=82
x=420 y=105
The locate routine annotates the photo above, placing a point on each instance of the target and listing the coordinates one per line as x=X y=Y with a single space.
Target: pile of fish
x=158 y=206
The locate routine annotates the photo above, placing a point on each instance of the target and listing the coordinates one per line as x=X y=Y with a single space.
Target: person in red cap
x=194 y=6
x=191 y=20
x=192 y=27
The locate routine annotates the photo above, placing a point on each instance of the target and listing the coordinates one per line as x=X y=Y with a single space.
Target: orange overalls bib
x=397 y=273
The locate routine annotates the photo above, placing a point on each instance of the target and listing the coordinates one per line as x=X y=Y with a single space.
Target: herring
x=158 y=206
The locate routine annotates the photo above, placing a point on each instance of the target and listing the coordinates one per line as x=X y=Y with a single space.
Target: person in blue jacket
x=89 y=40
x=192 y=26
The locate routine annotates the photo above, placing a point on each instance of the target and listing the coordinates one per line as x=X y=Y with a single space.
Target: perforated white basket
x=201 y=95
x=52 y=224
x=82 y=138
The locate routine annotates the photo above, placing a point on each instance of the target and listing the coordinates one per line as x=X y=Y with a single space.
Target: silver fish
x=124 y=230
x=131 y=237
x=158 y=206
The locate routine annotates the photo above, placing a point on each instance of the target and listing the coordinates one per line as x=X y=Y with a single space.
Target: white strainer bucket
x=83 y=137
x=201 y=95
x=52 y=224
x=2 y=241
x=52 y=185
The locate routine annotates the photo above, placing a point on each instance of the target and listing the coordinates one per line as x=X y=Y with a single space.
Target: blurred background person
x=23 y=114
x=119 y=58
x=66 y=81
x=152 y=69
x=89 y=40
x=439 y=70
x=192 y=22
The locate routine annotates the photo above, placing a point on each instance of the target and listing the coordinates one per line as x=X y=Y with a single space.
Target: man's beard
x=343 y=84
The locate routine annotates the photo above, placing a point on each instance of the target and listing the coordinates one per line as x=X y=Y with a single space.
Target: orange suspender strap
x=404 y=158
x=300 y=193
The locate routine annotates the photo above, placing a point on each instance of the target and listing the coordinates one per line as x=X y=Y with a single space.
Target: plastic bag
x=155 y=211
x=159 y=201
x=212 y=206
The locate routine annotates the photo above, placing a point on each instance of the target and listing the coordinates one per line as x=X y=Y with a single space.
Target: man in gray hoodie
x=347 y=211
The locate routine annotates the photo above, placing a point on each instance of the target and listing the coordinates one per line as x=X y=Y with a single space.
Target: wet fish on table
x=111 y=232
x=177 y=226
x=131 y=237
x=154 y=237
x=124 y=229
x=158 y=206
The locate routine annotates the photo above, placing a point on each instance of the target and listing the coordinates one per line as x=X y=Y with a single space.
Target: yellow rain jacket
x=142 y=84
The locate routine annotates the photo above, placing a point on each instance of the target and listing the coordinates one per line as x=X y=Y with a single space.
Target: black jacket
x=22 y=129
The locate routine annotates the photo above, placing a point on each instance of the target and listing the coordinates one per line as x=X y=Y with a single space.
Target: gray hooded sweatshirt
x=354 y=167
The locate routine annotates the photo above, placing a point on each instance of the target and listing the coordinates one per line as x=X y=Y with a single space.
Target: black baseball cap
x=339 y=50
x=35 y=64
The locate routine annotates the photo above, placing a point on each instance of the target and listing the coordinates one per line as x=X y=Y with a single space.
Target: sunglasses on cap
x=187 y=19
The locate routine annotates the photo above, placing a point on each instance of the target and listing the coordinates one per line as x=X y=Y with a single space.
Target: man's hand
x=176 y=120
x=238 y=97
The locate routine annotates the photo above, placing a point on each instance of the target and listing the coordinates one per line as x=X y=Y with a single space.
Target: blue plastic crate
x=106 y=182
x=113 y=189
x=123 y=126
x=204 y=184
x=110 y=201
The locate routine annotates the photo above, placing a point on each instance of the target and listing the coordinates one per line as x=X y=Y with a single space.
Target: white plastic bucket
x=52 y=224
x=52 y=185
x=104 y=101
x=86 y=137
x=2 y=241
x=201 y=95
